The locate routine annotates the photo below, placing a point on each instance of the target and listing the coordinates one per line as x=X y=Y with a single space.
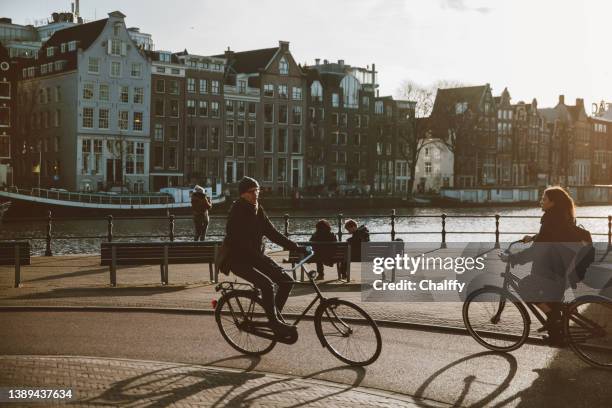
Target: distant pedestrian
x=322 y=234
x=200 y=204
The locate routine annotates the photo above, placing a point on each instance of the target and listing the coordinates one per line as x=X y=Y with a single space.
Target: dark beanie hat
x=246 y=184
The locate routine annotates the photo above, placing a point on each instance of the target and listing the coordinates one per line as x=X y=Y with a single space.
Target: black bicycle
x=344 y=328
x=499 y=320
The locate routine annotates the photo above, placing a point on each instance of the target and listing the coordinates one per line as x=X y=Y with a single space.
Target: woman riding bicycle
x=546 y=283
x=247 y=224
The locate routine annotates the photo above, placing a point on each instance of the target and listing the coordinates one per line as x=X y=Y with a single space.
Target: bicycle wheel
x=496 y=319
x=588 y=325
x=348 y=332
x=233 y=311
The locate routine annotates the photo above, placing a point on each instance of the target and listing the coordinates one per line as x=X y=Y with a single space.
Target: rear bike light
x=214 y=303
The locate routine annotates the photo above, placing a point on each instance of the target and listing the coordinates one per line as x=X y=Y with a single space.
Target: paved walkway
x=119 y=382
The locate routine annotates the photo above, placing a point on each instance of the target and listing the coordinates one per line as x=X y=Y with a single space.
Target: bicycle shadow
x=471 y=383
x=164 y=387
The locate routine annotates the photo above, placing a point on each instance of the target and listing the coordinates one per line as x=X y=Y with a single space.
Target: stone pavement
x=81 y=281
x=132 y=383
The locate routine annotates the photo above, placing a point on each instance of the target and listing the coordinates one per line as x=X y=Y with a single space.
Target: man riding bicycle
x=247 y=224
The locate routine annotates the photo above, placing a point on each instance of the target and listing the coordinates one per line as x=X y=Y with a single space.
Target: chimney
x=561 y=99
x=580 y=102
x=373 y=75
x=76 y=9
x=317 y=60
x=341 y=63
x=325 y=62
x=283 y=45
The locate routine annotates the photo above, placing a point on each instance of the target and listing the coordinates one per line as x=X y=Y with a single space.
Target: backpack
x=585 y=256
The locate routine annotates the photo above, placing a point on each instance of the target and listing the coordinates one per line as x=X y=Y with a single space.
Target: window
x=137 y=125
x=282 y=91
x=115 y=46
x=268 y=140
x=203 y=138
x=191 y=137
x=191 y=107
x=93 y=67
x=214 y=138
x=72 y=45
x=378 y=107
x=88 y=90
x=296 y=141
x=86 y=154
x=174 y=108
x=241 y=107
x=88 y=118
x=191 y=85
x=103 y=118
x=282 y=140
x=334 y=119
x=115 y=70
x=136 y=71
x=344 y=119
x=173 y=132
x=138 y=95
x=214 y=87
x=240 y=150
x=365 y=102
x=252 y=109
x=175 y=71
x=282 y=114
x=297 y=115
x=460 y=108
x=172 y=159
x=159 y=107
x=240 y=128
x=229 y=148
x=427 y=167
x=203 y=108
x=229 y=107
x=242 y=86
x=267 y=169
x=57 y=118
x=316 y=92
x=98 y=156
x=50 y=51
x=103 y=92
x=129 y=160
x=269 y=90
x=173 y=87
x=160 y=70
x=283 y=66
x=296 y=93
x=229 y=128
x=123 y=120
x=158 y=156
x=58 y=94
x=350 y=91
x=159 y=132
x=251 y=149
x=282 y=170
x=342 y=138
x=335 y=100
x=251 y=132
x=160 y=85
x=214 y=109
x=269 y=113
x=124 y=94
x=203 y=86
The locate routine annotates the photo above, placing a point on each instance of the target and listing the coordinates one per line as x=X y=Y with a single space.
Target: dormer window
x=50 y=51
x=164 y=56
x=460 y=108
x=316 y=91
x=63 y=47
x=283 y=66
x=116 y=29
x=72 y=46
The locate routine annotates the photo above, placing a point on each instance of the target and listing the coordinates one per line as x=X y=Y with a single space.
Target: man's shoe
x=282 y=329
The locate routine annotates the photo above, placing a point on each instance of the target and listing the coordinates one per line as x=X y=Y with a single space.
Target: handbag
x=222 y=262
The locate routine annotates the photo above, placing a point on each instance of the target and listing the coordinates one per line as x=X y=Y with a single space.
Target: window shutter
x=123 y=48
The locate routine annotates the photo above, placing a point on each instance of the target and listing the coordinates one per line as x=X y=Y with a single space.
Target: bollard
x=443 y=244
x=609 y=231
x=497 y=216
x=109 y=229
x=393 y=225
x=339 y=227
x=17 y=265
x=171 y=227
x=48 y=246
x=286 y=216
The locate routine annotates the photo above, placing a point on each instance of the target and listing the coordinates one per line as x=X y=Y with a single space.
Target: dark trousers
x=264 y=273
x=200 y=224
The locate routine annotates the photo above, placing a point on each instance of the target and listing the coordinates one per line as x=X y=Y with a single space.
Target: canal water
x=82 y=236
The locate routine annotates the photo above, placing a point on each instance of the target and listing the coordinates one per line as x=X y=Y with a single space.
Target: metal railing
x=392 y=218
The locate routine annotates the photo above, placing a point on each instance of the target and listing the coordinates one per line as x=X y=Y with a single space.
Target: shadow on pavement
x=100 y=292
x=97 y=271
x=300 y=289
x=468 y=383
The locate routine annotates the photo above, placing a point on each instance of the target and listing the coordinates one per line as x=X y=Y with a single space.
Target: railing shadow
x=100 y=292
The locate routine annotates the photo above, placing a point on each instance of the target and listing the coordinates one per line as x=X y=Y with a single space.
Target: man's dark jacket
x=200 y=204
x=245 y=230
x=323 y=253
x=361 y=235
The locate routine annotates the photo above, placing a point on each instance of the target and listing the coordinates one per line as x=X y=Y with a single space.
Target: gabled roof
x=250 y=61
x=86 y=34
x=447 y=98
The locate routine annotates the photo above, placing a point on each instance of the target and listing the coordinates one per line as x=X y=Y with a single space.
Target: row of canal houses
x=92 y=106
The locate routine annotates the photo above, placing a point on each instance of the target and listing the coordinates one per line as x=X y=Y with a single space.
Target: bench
x=337 y=252
x=15 y=253
x=384 y=249
x=114 y=254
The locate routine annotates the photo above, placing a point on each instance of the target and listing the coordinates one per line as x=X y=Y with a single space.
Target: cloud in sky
x=536 y=48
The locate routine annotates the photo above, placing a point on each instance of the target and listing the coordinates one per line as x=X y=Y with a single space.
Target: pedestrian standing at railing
x=200 y=204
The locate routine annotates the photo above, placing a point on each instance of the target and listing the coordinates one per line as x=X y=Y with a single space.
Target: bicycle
x=586 y=321
x=342 y=327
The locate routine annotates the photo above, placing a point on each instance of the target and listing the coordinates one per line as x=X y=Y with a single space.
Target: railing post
x=286 y=216
x=443 y=244
x=171 y=227
x=109 y=229
x=609 y=231
x=497 y=216
x=49 y=226
x=339 y=227
x=393 y=224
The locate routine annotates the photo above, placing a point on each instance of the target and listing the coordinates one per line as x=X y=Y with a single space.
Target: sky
x=536 y=48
